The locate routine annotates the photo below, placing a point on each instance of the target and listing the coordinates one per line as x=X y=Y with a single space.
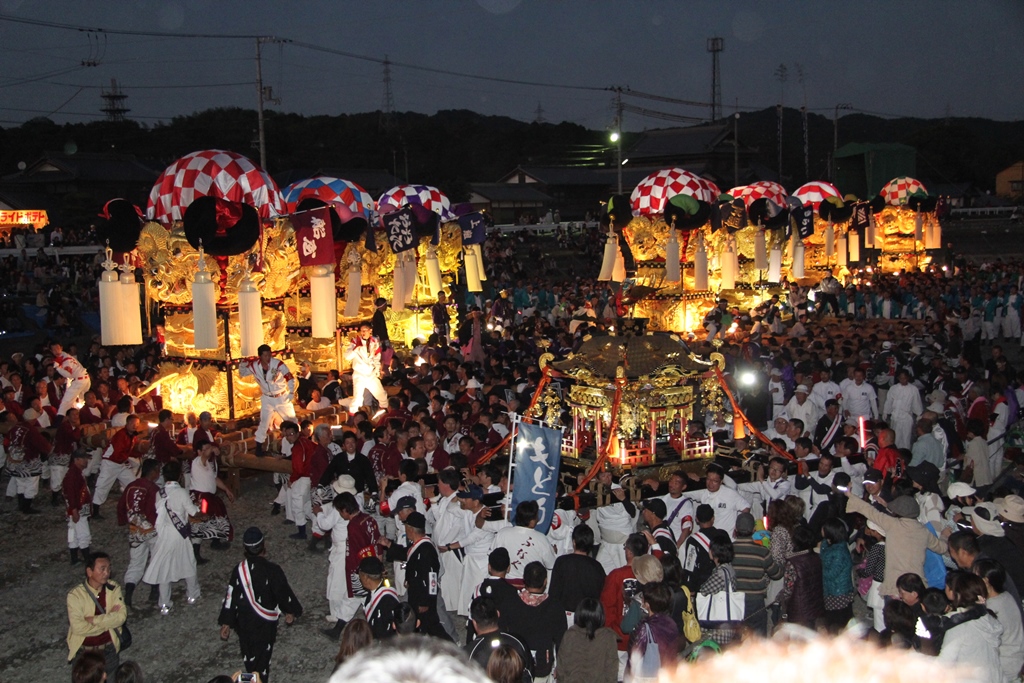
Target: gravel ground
x=184 y=646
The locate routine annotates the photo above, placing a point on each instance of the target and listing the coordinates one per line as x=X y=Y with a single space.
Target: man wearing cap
x=696 y=552
x=658 y=533
x=801 y=408
x=363 y=352
x=277 y=386
x=258 y=593
x=1011 y=512
x=902 y=408
x=906 y=538
x=992 y=541
x=478 y=529
x=381 y=605
x=422 y=567
x=396 y=550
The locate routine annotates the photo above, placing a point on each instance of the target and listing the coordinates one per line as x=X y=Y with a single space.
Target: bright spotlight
x=747 y=379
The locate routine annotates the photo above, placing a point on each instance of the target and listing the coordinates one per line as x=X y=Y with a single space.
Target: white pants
x=191 y=589
x=298 y=507
x=450 y=580
x=79 y=534
x=137 y=559
x=57 y=473
x=109 y=473
x=989 y=330
x=903 y=425
x=273 y=411
x=76 y=390
x=399 y=568
x=1011 y=325
x=360 y=385
x=23 y=486
x=995 y=454
x=95 y=460
x=474 y=571
x=342 y=606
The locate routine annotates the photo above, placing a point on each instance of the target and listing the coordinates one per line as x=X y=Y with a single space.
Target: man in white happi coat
x=445 y=517
x=824 y=390
x=478 y=529
x=615 y=522
x=764 y=489
x=363 y=352
x=277 y=387
x=800 y=407
x=778 y=392
x=679 y=508
x=67 y=366
x=902 y=408
x=860 y=398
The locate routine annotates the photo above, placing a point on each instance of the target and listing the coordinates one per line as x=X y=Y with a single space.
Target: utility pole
x=781 y=75
x=835 y=134
x=715 y=46
x=262 y=95
x=736 y=149
x=807 y=155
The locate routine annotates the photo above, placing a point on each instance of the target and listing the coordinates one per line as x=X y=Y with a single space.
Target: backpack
x=691 y=627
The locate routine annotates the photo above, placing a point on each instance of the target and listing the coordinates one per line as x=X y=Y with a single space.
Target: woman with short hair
x=589 y=652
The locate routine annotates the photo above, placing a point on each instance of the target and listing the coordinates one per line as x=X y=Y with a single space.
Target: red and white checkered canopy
x=213 y=173
x=897 y=190
x=651 y=194
x=815 y=192
x=329 y=189
x=425 y=195
x=762 y=188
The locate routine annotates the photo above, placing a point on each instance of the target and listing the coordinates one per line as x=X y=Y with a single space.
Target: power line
x=159 y=87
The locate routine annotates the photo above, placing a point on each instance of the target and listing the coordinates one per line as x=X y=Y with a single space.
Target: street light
x=617 y=139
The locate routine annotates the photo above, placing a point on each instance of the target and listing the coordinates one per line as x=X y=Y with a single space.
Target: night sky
x=895 y=58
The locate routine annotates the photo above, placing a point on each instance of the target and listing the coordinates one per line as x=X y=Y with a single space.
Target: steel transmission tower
x=114 y=99
x=715 y=46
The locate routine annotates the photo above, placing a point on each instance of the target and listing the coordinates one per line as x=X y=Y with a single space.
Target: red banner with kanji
x=313 y=237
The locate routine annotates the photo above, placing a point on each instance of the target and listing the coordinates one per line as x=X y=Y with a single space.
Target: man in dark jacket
x=258 y=593
x=422 y=566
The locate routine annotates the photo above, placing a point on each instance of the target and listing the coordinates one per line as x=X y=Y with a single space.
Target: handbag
x=650 y=662
x=724 y=606
x=124 y=636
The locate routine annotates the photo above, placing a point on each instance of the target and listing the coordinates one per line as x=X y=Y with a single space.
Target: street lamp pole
x=617 y=137
x=736 y=150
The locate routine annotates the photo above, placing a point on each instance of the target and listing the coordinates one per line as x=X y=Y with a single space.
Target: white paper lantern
x=250 y=317
x=775 y=264
x=672 y=273
x=611 y=248
x=111 y=307
x=841 y=250
x=919 y=226
x=700 y=266
x=830 y=241
x=760 y=251
x=854 y=242
x=411 y=275
x=354 y=284
x=131 y=303
x=323 y=302
x=936 y=233
x=480 y=270
x=434 y=271
x=472 y=269
x=204 y=308
x=619 y=271
x=799 y=256
x=729 y=263
x=869 y=236
x=398 y=285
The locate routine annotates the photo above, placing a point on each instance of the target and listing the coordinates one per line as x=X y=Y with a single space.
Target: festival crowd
x=873 y=481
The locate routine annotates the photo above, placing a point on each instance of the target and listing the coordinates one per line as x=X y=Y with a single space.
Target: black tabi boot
x=299 y=535
x=96 y=512
x=334 y=633
x=199 y=558
x=73 y=552
x=154 y=594
x=86 y=552
x=275 y=509
x=54 y=498
x=313 y=544
x=26 y=505
x=129 y=590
